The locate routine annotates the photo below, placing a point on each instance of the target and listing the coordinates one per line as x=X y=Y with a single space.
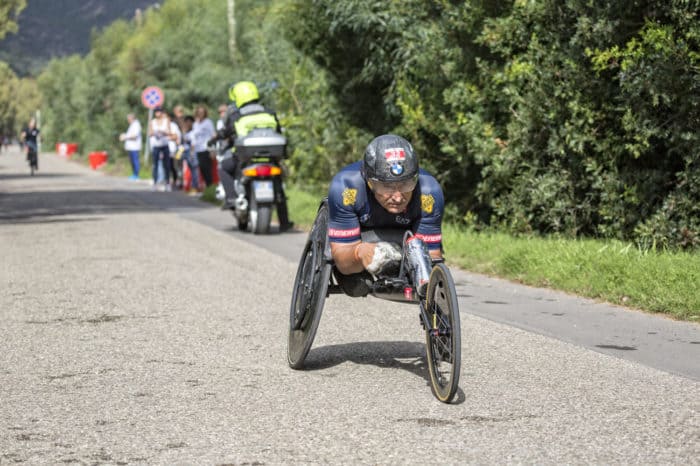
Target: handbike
x=33 y=159
x=439 y=309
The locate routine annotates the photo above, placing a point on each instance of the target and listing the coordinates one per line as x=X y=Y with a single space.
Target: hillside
x=56 y=28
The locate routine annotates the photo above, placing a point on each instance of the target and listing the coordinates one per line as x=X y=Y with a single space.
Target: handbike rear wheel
x=443 y=337
x=32 y=163
x=309 y=295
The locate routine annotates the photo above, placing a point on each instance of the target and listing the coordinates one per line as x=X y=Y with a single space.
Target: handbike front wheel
x=443 y=336
x=309 y=295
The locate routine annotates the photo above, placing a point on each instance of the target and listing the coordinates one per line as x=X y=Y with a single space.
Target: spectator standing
x=178 y=161
x=203 y=130
x=132 y=144
x=159 y=133
x=222 y=118
x=188 y=154
x=175 y=148
x=179 y=116
x=221 y=146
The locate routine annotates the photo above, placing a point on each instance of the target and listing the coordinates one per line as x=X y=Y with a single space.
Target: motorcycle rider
x=385 y=191
x=244 y=114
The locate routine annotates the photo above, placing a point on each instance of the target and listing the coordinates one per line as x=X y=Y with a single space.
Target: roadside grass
x=610 y=271
x=209 y=195
x=302 y=205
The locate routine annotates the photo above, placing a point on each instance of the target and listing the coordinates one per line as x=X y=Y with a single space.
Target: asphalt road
x=139 y=328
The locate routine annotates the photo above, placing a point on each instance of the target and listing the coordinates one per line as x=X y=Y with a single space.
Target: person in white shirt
x=175 y=148
x=159 y=133
x=132 y=144
x=203 y=130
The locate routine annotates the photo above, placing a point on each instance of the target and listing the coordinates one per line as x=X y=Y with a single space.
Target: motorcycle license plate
x=263 y=191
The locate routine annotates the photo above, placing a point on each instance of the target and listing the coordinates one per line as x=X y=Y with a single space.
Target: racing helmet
x=390 y=160
x=243 y=92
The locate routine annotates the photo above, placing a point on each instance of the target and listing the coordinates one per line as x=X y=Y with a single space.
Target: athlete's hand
x=376 y=256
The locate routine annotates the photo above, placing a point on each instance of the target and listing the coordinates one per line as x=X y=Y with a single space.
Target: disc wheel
x=443 y=338
x=309 y=295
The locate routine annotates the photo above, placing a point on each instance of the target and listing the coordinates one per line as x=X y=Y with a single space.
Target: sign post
x=151 y=97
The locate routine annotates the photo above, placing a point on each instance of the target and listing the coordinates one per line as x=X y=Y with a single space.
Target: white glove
x=384 y=254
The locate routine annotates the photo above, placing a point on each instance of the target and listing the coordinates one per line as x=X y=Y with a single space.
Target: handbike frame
x=32 y=159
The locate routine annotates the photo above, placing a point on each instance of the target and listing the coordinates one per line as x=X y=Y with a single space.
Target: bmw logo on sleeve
x=396 y=169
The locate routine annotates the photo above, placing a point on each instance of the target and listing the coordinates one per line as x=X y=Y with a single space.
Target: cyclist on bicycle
x=385 y=191
x=29 y=136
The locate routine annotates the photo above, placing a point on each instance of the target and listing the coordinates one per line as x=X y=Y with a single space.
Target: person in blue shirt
x=386 y=191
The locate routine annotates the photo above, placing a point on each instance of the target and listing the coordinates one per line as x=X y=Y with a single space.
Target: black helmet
x=390 y=158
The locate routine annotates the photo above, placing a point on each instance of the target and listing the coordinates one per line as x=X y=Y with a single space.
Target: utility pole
x=232 y=29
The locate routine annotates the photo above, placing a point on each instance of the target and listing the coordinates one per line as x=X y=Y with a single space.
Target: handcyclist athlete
x=386 y=190
x=29 y=136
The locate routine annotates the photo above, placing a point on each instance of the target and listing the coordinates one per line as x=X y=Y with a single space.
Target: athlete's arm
x=429 y=227
x=352 y=257
x=435 y=253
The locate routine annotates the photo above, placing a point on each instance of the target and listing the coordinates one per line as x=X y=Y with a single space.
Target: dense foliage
x=9 y=10
x=11 y=84
x=19 y=100
x=575 y=117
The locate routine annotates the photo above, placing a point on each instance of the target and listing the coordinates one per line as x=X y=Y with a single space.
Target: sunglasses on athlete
x=390 y=187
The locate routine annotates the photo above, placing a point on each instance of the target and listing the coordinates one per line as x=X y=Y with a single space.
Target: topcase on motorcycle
x=259 y=189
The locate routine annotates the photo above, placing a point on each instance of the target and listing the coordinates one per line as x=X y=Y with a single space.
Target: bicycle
x=438 y=310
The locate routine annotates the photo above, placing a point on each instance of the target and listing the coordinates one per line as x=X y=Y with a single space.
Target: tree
x=8 y=104
x=9 y=11
x=577 y=118
x=19 y=100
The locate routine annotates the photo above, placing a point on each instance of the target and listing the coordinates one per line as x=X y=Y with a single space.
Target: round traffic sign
x=152 y=97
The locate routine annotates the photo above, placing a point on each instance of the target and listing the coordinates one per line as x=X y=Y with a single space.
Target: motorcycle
x=259 y=187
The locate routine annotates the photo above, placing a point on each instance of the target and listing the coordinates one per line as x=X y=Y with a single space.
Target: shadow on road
x=408 y=356
x=20 y=207
x=378 y=353
x=38 y=206
x=19 y=176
